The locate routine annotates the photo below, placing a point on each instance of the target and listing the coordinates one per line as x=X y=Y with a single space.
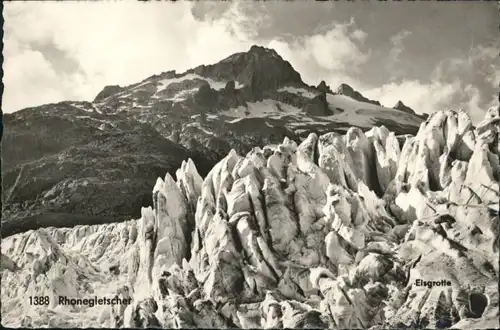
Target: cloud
x=420 y=96
x=106 y=43
x=113 y=44
x=337 y=49
x=482 y=60
x=126 y=43
x=431 y=97
x=359 y=35
x=453 y=84
x=393 y=64
x=333 y=54
x=31 y=69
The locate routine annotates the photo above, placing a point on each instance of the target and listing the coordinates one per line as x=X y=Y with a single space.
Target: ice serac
x=171 y=223
x=190 y=182
x=361 y=154
x=336 y=161
x=334 y=232
x=308 y=146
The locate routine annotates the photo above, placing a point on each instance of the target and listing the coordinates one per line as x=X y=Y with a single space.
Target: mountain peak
x=403 y=107
x=259 y=68
x=107 y=91
x=323 y=87
x=345 y=89
x=399 y=104
x=260 y=50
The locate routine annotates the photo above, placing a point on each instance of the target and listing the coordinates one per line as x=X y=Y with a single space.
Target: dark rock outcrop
x=402 y=107
x=80 y=170
x=206 y=97
x=108 y=91
x=347 y=90
x=323 y=87
x=318 y=106
x=260 y=69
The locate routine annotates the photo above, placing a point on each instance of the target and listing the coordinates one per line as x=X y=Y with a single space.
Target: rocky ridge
x=347 y=90
x=333 y=231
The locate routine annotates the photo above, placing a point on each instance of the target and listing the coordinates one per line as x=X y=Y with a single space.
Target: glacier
x=330 y=232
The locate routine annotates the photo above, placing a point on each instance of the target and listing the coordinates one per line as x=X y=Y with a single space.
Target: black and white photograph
x=250 y=164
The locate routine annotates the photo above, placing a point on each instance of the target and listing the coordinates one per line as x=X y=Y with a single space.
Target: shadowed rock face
x=335 y=231
x=260 y=67
x=323 y=87
x=347 y=90
x=318 y=106
x=403 y=107
x=107 y=91
x=69 y=172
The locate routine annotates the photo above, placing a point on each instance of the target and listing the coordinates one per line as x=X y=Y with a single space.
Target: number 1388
x=39 y=300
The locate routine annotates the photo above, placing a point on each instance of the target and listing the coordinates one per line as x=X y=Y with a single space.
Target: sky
x=431 y=55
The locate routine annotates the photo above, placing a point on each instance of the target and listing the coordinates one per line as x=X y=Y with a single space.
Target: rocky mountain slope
x=336 y=230
x=94 y=162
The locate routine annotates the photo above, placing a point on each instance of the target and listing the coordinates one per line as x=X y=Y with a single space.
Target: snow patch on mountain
x=364 y=114
x=217 y=85
x=201 y=128
x=346 y=109
x=265 y=108
x=299 y=91
x=87 y=107
x=182 y=95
